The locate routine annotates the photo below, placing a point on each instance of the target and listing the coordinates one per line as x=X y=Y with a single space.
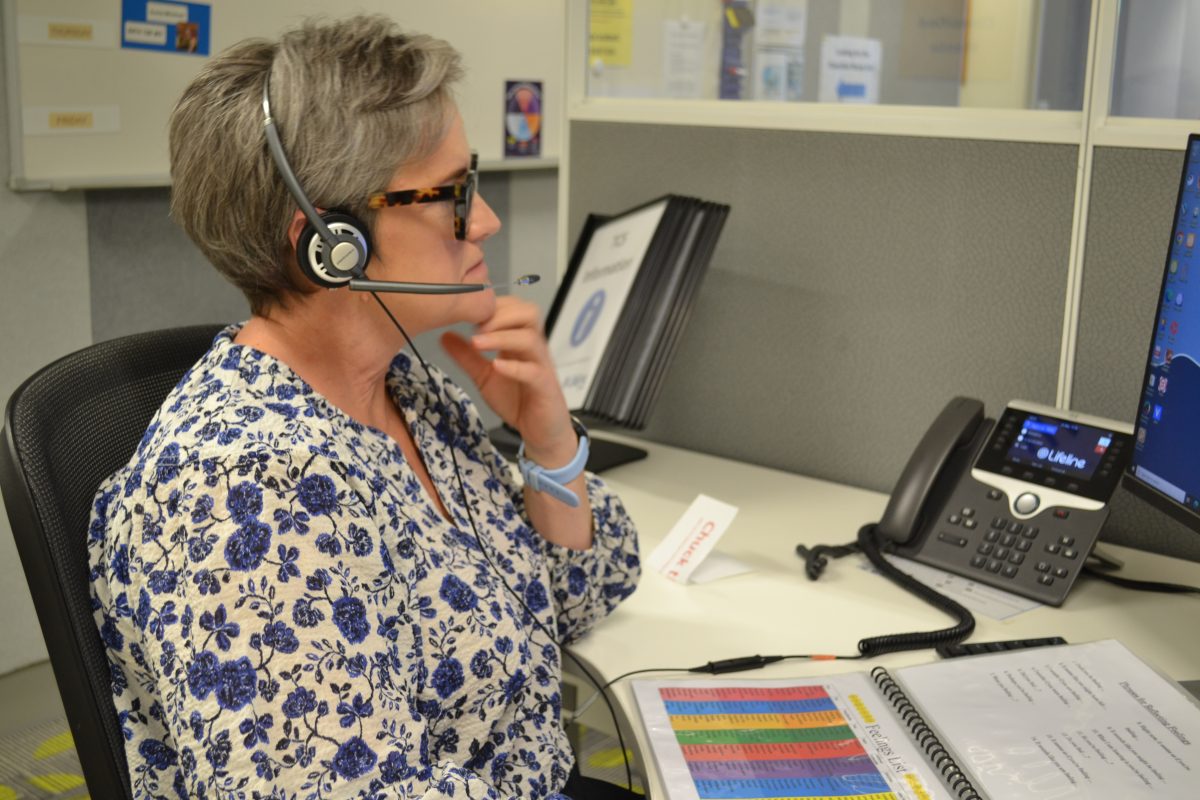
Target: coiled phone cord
x=868 y=542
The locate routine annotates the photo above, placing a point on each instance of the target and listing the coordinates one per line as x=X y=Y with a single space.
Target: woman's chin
x=478 y=307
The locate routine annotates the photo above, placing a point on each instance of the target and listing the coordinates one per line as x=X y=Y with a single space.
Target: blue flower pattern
x=288 y=615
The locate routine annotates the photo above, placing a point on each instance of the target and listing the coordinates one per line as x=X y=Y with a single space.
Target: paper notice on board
x=66 y=31
x=683 y=58
x=70 y=120
x=850 y=68
x=780 y=29
x=610 y=32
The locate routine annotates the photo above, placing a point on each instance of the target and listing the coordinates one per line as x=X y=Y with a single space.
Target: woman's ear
x=296 y=226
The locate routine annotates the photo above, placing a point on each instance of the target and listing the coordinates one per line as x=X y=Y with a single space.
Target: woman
x=298 y=596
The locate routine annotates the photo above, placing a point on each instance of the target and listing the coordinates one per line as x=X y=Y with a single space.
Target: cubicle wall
x=862 y=281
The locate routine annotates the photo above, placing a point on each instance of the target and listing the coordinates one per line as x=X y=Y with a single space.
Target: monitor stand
x=602 y=453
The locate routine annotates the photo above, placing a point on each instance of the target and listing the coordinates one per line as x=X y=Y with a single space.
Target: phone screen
x=1059 y=447
x=1040 y=448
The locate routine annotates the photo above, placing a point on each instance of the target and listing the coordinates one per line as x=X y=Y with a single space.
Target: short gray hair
x=354 y=99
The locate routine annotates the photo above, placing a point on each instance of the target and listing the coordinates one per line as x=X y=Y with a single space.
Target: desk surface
x=776 y=610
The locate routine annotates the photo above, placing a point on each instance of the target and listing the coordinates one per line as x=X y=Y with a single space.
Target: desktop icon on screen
x=1179 y=299
x=1174 y=327
x=1158 y=413
x=1174 y=265
x=1162 y=381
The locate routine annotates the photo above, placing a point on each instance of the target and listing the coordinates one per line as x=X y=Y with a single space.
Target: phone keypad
x=1039 y=557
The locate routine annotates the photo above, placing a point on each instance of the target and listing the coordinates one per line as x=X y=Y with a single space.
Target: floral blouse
x=287 y=614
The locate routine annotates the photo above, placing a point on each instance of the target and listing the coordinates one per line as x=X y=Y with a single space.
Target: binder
x=643 y=327
x=1072 y=721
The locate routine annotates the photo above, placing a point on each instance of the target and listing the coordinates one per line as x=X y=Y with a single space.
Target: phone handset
x=950 y=435
x=907 y=508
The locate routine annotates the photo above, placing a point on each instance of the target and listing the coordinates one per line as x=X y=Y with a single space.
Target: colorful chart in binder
x=745 y=743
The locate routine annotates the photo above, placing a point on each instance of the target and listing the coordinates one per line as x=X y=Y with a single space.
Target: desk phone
x=1017 y=504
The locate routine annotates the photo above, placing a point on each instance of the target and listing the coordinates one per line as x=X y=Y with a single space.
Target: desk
x=777 y=610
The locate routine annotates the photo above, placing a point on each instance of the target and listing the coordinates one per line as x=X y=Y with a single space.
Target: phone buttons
x=950 y=538
x=1027 y=503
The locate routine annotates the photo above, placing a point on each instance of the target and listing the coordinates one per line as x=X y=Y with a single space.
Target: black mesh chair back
x=66 y=429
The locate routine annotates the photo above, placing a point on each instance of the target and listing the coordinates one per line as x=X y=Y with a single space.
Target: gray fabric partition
x=1129 y=226
x=861 y=281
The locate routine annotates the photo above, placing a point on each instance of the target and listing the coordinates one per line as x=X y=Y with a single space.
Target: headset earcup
x=311 y=250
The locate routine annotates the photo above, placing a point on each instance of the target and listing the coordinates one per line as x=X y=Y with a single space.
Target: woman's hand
x=520 y=384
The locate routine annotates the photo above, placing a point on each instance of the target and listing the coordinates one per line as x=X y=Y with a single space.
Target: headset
x=334 y=248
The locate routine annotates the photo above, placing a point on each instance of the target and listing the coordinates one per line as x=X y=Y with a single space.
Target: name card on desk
x=686 y=555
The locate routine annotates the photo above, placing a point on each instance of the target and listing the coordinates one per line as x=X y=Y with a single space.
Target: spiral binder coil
x=938 y=756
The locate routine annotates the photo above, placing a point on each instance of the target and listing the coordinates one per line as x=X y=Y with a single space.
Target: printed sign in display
x=589 y=313
x=168 y=27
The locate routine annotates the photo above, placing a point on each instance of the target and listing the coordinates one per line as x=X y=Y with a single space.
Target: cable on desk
x=1140 y=585
x=869 y=543
x=740 y=664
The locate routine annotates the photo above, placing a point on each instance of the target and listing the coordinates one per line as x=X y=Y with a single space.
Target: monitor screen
x=1165 y=467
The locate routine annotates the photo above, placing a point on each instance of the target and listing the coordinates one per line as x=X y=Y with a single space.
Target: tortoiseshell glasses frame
x=461 y=192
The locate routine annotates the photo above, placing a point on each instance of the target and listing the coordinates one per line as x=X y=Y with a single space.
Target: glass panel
x=1155 y=72
x=978 y=53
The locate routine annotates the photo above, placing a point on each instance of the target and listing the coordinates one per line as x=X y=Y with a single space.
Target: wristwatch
x=553 y=481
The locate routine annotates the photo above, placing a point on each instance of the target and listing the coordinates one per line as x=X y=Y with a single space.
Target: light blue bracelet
x=553 y=481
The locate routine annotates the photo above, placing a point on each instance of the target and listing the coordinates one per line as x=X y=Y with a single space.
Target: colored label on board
x=522 y=118
x=166 y=27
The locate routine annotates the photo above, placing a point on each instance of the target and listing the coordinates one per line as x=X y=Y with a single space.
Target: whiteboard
x=86 y=112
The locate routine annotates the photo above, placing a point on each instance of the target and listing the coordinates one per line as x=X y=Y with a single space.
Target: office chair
x=66 y=429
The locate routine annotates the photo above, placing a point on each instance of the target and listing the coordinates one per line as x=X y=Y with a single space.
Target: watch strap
x=553 y=481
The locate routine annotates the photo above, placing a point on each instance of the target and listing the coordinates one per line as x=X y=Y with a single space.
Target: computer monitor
x=1165 y=468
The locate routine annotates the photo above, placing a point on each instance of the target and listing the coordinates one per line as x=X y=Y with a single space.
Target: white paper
x=780 y=28
x=601 y=285
x=1067 y=722
x=166 y=13
x=145 y=32
x=686 y=554
x=850 y=69
x=876 y=755
x=781 y=23
x=683 y=57
x=978 y=597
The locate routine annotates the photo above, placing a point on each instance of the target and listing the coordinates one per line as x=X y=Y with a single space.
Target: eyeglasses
x=461 y=192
